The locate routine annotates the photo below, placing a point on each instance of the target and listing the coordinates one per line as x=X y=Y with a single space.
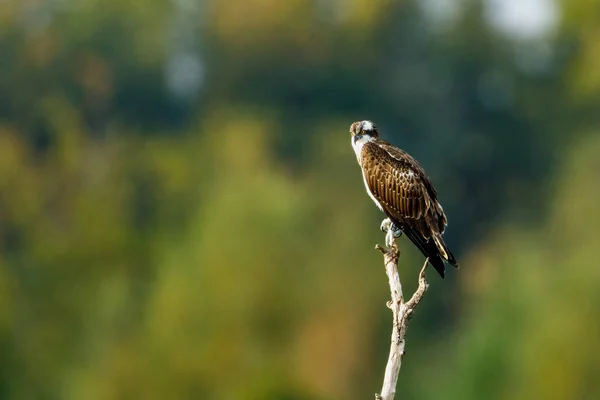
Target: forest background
x=182 y=216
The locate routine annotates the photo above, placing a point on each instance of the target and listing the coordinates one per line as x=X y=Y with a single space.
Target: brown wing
x=407 y=197
x=403 y=189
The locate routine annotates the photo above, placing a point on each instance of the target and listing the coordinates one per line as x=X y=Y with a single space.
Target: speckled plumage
x=402 y=190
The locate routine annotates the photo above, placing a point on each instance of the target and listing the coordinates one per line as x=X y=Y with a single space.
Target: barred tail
x=444 y=250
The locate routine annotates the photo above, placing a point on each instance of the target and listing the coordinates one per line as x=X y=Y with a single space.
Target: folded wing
x=406 y=195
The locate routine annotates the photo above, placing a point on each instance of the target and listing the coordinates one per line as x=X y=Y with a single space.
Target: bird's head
x=362 y=132
x=360 y=128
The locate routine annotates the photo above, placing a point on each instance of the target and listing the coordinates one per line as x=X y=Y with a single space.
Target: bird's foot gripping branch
x=402 y=313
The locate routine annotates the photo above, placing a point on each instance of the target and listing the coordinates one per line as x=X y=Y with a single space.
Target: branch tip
x=381 y=249
x=422 y=273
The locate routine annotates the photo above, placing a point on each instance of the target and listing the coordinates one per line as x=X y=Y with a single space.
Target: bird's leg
x=391 y=230
x=385 y=225
x=392 y=234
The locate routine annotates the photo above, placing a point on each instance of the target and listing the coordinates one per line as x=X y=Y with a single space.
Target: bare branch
x=402 y=312
x=418 y=295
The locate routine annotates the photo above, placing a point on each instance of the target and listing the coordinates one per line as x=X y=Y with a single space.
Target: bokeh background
x=182 y=215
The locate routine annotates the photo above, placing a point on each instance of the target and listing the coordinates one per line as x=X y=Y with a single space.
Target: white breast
x=358 y=144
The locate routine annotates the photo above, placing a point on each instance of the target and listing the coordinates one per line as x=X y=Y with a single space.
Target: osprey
x=400 y=188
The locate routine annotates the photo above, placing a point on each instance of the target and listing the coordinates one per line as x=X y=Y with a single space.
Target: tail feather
x=429 y=250
x=444 y=250
x=435 y=249
x=438 y=264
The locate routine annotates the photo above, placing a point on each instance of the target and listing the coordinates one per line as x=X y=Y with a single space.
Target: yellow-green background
x=182 y=216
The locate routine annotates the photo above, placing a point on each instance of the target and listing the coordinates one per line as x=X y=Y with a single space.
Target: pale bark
x=402 y=313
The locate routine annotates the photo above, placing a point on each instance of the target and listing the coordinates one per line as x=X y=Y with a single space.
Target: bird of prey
x=401 y=189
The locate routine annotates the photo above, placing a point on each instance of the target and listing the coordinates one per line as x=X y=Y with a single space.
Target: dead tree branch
x=402 y=313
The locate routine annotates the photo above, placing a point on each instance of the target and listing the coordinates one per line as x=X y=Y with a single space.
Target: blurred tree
x=218 y=244
x=530 y=330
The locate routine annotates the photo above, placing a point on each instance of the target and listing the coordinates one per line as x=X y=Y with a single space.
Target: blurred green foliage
x=182 y=216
